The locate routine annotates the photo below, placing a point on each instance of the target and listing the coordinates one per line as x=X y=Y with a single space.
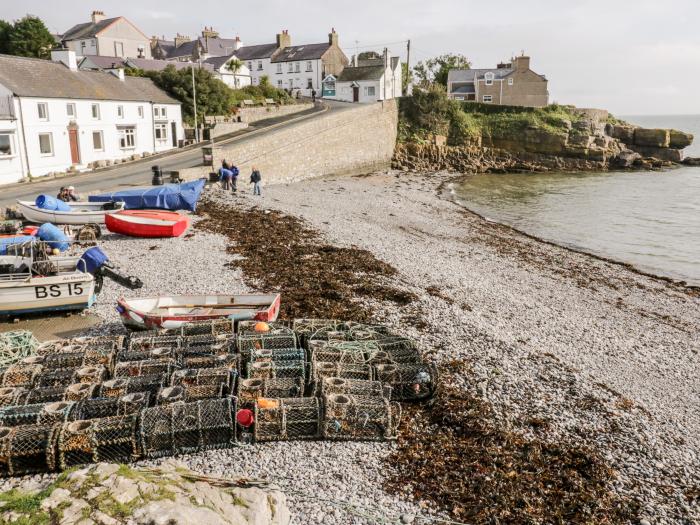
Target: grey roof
x=159 y=65
x=212 y=46
x=33 y=77
x=469 y=75
x=167 y=46
x=256 y=52
x=377 y=62
x=88 y=29
x=351 y=74
x=217 y=62
x=295 y=53
x=466 y=89
x=185 y=49
x=101 y=62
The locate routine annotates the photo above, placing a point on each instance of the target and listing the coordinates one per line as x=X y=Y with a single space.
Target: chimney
x=237 y=43
x=117 y=72
x=333 y=37
x=181 y=39
x=209 y=32
x=522 y=63
x=66 y=57
x=97 y=16
x=283 y=39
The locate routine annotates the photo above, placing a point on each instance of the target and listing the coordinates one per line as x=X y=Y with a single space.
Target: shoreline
x=447 y=194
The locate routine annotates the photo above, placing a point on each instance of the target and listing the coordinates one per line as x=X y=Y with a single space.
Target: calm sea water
x=648 y=219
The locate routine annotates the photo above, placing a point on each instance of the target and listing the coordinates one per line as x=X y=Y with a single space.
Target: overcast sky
x=630 y=56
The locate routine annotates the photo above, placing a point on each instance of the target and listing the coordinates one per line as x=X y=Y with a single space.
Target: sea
x=650 y=220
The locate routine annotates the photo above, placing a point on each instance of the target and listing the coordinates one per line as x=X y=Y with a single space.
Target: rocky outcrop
x=110 y=494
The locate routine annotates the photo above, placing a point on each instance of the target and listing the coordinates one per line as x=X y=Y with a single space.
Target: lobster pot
x=94 y=409
x=284 y=387
x=64 y=360
x=50 y=377
x=151 y=343
x=203 y=376
x=10 y=396
x=188 y=393
x=408 y=381
x=148 y=334
x=91 y=374
x=144 y=355
x=100 y=356
x=287 y=419
x=132 y=403
x=360 y=418
x=355 y=387
x=400 y=349
x=15 y=416
x=21 y=374
x=170 y=394
x=273 y=370
x=44 y=395
x=321 y=370
x=27 y=449
x=329 y=333
x=250 y=341
x=119 y=387
x=110 y=439
x=56 y=412
x=213 y=327
x=60 y=346
x=229 y=361
x=339 y=352
x=103 y=344
x=278 y=355
x=80 y=391
x=147 y=367
x=187 y=427
x=208 y=344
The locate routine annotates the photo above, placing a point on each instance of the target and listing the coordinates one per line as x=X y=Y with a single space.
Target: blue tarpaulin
x=167 y=197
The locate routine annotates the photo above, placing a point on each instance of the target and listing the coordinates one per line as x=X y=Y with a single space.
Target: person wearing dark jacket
x=234 y=177
x=255 y=179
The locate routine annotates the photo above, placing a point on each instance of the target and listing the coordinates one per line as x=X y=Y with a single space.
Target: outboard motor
x=95 y=262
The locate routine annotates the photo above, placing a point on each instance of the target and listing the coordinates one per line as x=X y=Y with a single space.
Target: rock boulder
x=654 y=138
x=679 y=139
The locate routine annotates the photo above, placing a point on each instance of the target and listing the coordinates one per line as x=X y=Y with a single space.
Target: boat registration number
x=59 y=290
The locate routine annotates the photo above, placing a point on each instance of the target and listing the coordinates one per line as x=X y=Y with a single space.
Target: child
x=225 y=175
x=255 y=179
x=234 y=178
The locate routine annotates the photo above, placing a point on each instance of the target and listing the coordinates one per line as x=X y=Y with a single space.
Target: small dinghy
x=174 y=311
x=80 y=212
x=147 y=223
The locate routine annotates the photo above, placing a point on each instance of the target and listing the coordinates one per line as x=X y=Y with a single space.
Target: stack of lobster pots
x=205 y=386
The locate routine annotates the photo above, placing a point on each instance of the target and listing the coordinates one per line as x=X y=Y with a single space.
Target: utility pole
x=406 y=88
x=194 y=101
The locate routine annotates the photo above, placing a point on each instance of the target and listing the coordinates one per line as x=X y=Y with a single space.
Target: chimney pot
x=97 y=16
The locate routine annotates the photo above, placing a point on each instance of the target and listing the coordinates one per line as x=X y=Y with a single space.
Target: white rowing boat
x=80 y=212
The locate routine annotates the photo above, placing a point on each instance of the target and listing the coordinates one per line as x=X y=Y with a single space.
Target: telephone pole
x=194 y=101
x=406 y=88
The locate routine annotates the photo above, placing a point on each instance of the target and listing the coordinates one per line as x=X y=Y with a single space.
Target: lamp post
x=194 y=101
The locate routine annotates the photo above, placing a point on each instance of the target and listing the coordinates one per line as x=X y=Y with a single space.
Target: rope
x=15 y=346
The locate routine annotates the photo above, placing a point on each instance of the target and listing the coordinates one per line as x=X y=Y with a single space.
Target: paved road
x=139 y=173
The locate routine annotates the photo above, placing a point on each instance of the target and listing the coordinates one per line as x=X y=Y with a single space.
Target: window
x=164 y=112
x=489 y=79
x=96 y=111
x=156 y=111
x=43 y=110
x=160 y=112
x=97 y=142
x=279 y=69
x=250 y=66
x=290 y=67
x=82 y=47
x=140 y=111
x=45 y=143
x=70 y=110
x=127 y=138
x=5 y=145
x=309 y=66
x=259 y=65
x=510 y=81
x=279 y=84
x=297 y=67
x=487 y=98
x=309 y=83
x=120 y=111
x=369 y=91
x=161 y=132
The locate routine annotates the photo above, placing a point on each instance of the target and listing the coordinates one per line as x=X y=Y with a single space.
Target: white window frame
x=44 y=153
x=120 y=111
x=488 y=79
x=11 y=143
x=163 y=112
x=95 y=111
x=71 y=110
x=140 y=110
x=102 y=141
x=309 y=66
x=297 y=67
x=290 y=67
x=510 y=81
x=487 y=99
x=127 y=138
x=260 y=68
x=279 y=83
x=250 y=66
x=162 y=130
x=373 y=93
x=279 y=68
x=82 y=46
x=45 y=107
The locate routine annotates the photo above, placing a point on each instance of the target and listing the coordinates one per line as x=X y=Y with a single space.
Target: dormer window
x=488 y=77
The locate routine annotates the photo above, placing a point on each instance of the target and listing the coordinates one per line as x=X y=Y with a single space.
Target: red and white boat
x=147 y=223
x=172 y=311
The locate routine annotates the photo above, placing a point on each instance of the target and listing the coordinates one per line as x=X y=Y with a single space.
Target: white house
x=54 y=117
x=225 y=69
x=102 y=36
x=367 y=81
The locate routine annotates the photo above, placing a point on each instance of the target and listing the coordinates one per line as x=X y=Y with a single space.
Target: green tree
x=406 y=77
x=368 y=55
x=435 y=70
x=30 y=38
x=5 y=30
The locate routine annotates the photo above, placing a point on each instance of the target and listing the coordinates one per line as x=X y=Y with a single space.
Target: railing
x=7 y=107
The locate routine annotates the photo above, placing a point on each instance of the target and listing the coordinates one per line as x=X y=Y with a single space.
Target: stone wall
x=348 y=140
x=250 y=115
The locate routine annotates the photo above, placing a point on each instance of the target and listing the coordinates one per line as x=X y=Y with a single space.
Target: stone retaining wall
x=250 y=115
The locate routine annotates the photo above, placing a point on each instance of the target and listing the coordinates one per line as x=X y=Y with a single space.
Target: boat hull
x=173 y=312
x=47 y=294
x=147 y=223
x=83 y=213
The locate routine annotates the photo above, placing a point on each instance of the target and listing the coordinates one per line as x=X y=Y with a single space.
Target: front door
x=173 y=132
x=74 y=147
x=355 y=94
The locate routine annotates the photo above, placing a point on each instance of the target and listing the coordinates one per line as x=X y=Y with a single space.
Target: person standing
x=234 y=178
x=225 y=175
x=313 y=95
x=72 y=196
x=255 y=179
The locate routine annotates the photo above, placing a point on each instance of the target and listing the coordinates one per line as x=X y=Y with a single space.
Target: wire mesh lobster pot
x=229 y=361
x=63 y=360
x=22 y=373
x=111 y=439
x=151 y=343
x=400 y=349
x=212 y=327
x=49 y=377
x=322 y=369
x=360 y=418
x=250 y=341
x=287 y=419
x=250 y=390
x=409 y=382
x=208 y=344
x=272 y=370
x=147 y=367
x=305 y=328
x=36 y=414
x=80 y=391
x=187 y=427
x=170 y=394
x=119 y=387
x=144 y=355
x=90 y=374
x=45 y=395
x=278 y=327
x=94 y=409
x=355 y=387
x=10 y=396
x=223 y=377
x=348 y=352
x=27 y=449
x=364 y=332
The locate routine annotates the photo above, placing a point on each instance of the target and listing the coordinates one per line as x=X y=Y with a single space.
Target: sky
x=632 y=57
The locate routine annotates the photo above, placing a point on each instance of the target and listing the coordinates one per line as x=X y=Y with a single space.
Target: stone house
x=55 y=117
x=367 y=80
x=102 y=36
x=511 y=84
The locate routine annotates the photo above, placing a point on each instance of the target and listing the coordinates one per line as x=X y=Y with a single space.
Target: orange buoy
x=265 y=403
x=262 y=327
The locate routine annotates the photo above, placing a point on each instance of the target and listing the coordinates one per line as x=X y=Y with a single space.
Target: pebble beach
x=599 y=353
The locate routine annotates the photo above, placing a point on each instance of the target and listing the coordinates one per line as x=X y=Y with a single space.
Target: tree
x=30 y=38
x=233 y=66
x=368 y=55
x=5 y=30
x=435 y=70
x=406 y=77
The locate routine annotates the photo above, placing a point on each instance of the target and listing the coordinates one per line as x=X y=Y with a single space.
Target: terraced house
x=509 y=84
x=102 y=36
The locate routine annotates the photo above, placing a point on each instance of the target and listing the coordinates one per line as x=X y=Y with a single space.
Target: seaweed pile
x=279 y=252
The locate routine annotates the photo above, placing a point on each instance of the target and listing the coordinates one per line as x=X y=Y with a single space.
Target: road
x=138 y=173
